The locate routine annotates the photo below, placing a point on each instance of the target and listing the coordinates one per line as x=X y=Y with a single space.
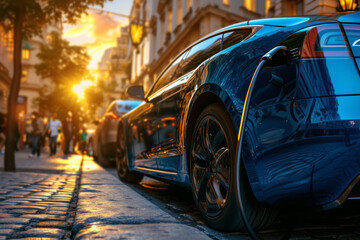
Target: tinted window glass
x=166 y=77
x=126 y=106
x=199 y=53
x=353 y=35
x=232 y=38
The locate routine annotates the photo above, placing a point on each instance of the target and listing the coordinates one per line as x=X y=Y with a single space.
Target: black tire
x=101 y=159
x=121 y=160
x=212 y=174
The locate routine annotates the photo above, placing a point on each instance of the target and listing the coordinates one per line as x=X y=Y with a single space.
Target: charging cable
x=266 y=59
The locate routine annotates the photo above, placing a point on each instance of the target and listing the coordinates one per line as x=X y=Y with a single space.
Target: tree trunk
x=14 y=92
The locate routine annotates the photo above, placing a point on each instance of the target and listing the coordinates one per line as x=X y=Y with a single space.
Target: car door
x=144 y=123
x=142 y=126
x=170 y=104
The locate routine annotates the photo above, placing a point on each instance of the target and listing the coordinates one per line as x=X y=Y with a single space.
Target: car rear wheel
x=212 y=174
x=122 y=166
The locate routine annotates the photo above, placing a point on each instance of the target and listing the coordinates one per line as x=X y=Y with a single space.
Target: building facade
x=172 y=25
x=302 y=7
x=6 y=65
x=114 y=70
x=31 y=83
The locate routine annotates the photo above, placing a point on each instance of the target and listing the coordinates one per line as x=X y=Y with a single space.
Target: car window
x=124 y=107
x=199 y=53
x=166 y=77
x=232 y=38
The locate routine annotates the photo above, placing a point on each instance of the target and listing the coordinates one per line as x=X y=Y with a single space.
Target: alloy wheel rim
x=211 y=166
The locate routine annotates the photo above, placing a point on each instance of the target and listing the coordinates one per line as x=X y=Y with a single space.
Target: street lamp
x=136 y=26
x=136 y=33
x=348 y=5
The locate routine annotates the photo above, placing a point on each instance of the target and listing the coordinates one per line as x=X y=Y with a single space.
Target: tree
x=27 y=17
x=65 y=65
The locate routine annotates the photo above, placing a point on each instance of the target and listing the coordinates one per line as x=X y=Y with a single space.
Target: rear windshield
x=124 y=107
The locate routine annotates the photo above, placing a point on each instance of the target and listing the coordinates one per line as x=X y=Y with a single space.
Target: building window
x=162 y=32
x=293 y=8
x=170 y=17
x=142 y=57
x=180 y=12
x=267 y=6
x=188 y=4
x=226 y=2
x=24 y=76
x=49 y=38
x=25 y=54
x=250 y=5
x=10 y=41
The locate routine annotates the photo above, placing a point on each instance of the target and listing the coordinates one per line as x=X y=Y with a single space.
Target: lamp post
x=348 y=5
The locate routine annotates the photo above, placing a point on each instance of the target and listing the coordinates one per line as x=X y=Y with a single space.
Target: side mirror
x=136 y=91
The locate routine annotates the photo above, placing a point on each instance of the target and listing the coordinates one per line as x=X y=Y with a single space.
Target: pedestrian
x=68 y=134
x=2 y=132
x=83 y=141
x=54 y=127
x=37 y=131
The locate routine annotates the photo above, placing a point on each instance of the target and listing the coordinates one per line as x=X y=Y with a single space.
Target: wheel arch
x=206 y=95
x=203 y=97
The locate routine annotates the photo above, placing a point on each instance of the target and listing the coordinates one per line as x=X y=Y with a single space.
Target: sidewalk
x=59 y=198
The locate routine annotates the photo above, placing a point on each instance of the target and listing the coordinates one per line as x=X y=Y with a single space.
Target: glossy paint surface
x=302 y=135
x=352 y=18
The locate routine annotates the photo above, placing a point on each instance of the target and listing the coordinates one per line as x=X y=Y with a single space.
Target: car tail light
x=112 y=115
x=324 y=41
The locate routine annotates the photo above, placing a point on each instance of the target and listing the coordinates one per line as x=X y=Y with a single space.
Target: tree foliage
x=61 y=62
x=65 y=65
x=27 y=18
x=40 y=12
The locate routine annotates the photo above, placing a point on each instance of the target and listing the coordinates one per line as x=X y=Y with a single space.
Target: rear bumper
x=310 y=153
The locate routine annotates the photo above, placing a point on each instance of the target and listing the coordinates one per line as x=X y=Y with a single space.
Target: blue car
x=290 y=86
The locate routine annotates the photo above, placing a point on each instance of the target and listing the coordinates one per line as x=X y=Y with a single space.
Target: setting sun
x=95 y=31
x=79 y=89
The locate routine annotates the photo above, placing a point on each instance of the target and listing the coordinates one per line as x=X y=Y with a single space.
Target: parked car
x=302 y=139
x=103 y=140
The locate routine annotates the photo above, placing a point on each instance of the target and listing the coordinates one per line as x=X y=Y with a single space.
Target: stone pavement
x=74 y=198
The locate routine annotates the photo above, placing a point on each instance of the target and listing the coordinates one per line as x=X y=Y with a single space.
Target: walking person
x=54 y=128
x=68 y=135
x=36 y=133
x=83 y=141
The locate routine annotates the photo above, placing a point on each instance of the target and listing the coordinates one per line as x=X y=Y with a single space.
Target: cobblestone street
x=36 y=201
x=75 y=198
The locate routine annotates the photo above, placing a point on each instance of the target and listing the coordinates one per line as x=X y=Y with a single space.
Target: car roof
x=353 y=17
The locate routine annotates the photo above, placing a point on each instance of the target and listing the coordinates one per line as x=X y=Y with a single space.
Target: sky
x=98 y=31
